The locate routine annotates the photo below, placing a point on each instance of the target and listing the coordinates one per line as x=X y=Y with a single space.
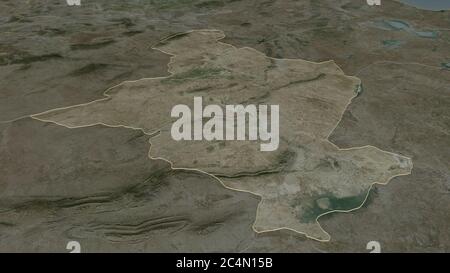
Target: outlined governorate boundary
x=157 y=132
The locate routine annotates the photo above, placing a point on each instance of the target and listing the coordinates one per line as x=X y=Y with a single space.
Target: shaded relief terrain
x=86 y=152
x=305 y=177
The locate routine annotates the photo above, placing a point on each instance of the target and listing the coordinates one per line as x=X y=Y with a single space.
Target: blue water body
x=429 y=4
x=400 y=25
x=392 y=43
x=426 y=34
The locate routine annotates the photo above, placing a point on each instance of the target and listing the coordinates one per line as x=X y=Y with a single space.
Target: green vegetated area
x=166 y=4
x=196 y=73
x=25 y=58
x=313 y=209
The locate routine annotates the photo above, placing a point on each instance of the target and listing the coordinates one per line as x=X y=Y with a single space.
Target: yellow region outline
x=156 y=133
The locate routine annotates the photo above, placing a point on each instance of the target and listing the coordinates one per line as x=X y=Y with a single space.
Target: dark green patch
x=318 y=77
x=132 y=32
x=322 y=22
x=6 y=224
x=27 y=59
x=446 y=65
x=88 y=69
x=196 y=73
x=391 y=43
x=286 y=157
x=127 y=22
x=313 y=210
x=197 y=90
x=210 y=4
x=51 y=32
x=92 y=46
x=173 y=37
x=21 y=19
x=170 y=4
x=359 y=90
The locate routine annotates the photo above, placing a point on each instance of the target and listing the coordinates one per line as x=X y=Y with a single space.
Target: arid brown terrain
x=97 y=184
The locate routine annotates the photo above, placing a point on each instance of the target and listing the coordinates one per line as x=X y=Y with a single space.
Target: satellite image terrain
x=232 y=126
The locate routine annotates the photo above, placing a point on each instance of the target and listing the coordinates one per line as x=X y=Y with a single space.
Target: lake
x=429 y=4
